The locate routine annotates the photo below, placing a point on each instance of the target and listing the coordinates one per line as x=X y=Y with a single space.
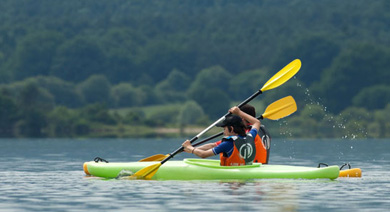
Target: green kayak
x=205 y=169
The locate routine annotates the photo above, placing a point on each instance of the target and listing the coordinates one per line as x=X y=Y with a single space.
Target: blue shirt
x=228 y=145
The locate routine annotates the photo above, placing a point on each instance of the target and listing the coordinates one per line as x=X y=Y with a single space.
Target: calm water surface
x=47 y=175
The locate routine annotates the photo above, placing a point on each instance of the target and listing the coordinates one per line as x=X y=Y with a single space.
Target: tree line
x=51 y=107
x=69 y=56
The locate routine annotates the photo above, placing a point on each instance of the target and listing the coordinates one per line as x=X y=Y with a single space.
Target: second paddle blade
x=281 y=108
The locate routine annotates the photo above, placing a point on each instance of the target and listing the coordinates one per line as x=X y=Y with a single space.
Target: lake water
x=47 y=175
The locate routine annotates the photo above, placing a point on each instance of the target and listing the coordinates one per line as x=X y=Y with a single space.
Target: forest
x=132 y=68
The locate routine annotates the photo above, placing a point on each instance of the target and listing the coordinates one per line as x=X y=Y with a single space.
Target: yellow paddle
x=158 y=157
x=278 y=79
x=277 y=110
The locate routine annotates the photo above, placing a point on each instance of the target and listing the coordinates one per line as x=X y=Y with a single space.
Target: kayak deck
x=205 y=169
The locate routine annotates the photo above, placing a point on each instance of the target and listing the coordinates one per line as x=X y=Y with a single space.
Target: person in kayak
x=262 y=138
x=261 y=149
x=237 y=146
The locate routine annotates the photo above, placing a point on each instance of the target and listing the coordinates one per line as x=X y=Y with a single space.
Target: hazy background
x=128 y=67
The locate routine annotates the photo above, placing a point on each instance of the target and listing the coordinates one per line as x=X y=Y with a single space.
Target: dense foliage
x=65 y=65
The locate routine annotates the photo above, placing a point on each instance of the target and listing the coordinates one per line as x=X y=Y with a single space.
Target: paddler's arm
x=197 y=151
x=207 y=146
x=254 y=121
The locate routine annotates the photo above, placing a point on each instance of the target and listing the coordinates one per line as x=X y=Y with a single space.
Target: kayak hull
x=204 y=169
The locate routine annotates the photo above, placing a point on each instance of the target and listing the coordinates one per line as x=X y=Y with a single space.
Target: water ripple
x=49 y=180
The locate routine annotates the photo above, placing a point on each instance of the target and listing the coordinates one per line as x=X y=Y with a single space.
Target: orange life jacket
x=248 y=151
x=261 y=151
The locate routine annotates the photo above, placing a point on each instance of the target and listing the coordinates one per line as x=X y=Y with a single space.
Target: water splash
x=335 y=123
x=124 y=174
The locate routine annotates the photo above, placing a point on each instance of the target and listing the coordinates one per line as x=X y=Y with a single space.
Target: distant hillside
x=344 y=45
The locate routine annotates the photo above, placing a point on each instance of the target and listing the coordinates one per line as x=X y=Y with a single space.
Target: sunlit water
x=47 y=175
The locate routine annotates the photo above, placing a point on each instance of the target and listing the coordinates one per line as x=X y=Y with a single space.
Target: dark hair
x=240 y=129
x=249 y=109
x=235 y=122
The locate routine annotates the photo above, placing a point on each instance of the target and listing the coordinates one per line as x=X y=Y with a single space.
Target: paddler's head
x=250 y=110
x=232 y=125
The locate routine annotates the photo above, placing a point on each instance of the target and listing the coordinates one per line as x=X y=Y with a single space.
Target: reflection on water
x=276 y=195
x=47 y=175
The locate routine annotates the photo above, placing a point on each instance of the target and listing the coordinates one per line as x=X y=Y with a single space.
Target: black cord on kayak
x=319 y=165
x=98 y=159
x=346 y=164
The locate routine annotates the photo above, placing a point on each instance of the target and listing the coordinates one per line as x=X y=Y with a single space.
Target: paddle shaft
x=211 y=126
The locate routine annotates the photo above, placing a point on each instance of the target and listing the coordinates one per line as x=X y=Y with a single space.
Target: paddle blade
x=283 y=75
x=281 y=108
x=146 y=173
x=158 y=157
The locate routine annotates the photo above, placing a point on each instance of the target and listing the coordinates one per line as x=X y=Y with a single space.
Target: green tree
x=374 y=130
x=209 y=91
x=134 y=117
x=315 y=112
x=34 y=104
x=313 y=118
x=121 y=46
x=32 y=125
x=374 y=97
x=173 y=88
x=82 y=127
x=303 y=127
x=30 y=96
x=329 y=128
x=213 y=101
x=190 y=113
x=166 y=55
x=213 y=77
x=382 y=119
x=9 y=114
x=246 y=83
x=77 y=59
x=162 y=117
x=120 y=68
x=176 y=81
x=354 y=122
x=126 y=95
x=354 y=69
x=96 y=89
x=34 y=54
x=64 y=92
x=316 y=51
x=96 y=113
x=149 y=95
x=61 y=121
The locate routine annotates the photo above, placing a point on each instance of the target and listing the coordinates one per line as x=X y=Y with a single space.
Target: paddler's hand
x=187 y=146
x=235 y=110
